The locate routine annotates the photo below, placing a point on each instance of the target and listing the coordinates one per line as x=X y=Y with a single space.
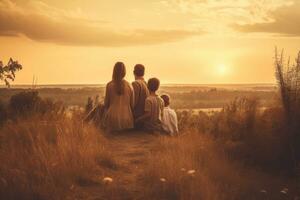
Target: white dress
x=169 y=121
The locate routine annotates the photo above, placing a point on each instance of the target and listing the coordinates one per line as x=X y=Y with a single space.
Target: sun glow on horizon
x=222 y=70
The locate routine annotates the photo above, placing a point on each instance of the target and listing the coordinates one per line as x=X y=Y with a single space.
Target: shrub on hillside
x=234 y=122
x=28 y=103
x=247 y=133
x=187 y=120
x=237 y=119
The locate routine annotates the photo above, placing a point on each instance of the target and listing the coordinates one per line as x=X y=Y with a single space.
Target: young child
x=154 y=106
x=169 y=119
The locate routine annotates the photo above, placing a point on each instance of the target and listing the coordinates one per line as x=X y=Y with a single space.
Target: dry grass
x=257 y=137
x=216 y=176
x=45 y=159
x=51 y=156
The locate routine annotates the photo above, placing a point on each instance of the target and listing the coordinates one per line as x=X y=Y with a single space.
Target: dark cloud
x=16 y=21
x=286 y=22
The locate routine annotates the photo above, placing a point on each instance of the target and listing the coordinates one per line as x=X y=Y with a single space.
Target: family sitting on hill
x=137 y=105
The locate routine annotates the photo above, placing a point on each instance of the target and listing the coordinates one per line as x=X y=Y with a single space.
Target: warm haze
x=149 y=99
x=181 y=41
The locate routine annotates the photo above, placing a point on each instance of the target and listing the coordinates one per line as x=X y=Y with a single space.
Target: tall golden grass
x=45 y=159
x=288 y=78
x=195 y=166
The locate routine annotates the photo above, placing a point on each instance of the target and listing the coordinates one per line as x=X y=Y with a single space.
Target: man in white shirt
x=169 y=118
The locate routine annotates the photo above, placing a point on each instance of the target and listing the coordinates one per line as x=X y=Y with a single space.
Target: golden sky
x=179 y=41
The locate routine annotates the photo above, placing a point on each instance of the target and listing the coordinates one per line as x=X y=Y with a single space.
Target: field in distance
x=183 y=96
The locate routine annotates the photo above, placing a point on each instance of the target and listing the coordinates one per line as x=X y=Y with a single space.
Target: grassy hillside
x=238 y=153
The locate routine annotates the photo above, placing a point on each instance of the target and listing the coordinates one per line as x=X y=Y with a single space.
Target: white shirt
x=169 y=121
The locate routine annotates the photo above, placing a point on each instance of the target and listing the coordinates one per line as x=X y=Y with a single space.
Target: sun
x=222 y=69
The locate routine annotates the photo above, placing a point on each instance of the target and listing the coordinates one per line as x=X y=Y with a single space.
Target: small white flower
x=107 y=180
x=191 y=172
x=162 y=179
x=284 y=190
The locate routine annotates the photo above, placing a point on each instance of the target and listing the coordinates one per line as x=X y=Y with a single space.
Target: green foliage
x=8 y=72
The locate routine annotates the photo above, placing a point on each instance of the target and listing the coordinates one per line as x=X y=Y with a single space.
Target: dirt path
x=130 y=151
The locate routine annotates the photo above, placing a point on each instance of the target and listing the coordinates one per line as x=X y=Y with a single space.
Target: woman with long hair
x=119 y=101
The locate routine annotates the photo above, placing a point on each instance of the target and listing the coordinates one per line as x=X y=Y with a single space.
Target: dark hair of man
x=139 y=70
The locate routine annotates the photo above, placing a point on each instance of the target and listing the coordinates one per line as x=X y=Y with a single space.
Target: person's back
x=153 y=108
x=119 y=101
x=141 y=91
x=154 y=105
x=169 y=119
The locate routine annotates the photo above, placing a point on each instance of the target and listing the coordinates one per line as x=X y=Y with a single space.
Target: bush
x=238 y=119
x=200 y=122
x=254 y=136
x=28 y=103
x=235 y=122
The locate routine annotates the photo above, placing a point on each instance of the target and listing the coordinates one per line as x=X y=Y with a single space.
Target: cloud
x=38 y=21
x=219 y=15
x=284 y=21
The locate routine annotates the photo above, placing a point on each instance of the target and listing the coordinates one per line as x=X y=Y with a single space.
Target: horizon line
x=190 y=84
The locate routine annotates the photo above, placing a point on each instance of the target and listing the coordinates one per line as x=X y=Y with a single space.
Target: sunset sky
x=179 y=41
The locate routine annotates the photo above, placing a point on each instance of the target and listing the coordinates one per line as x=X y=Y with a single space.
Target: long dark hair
x=118 y=76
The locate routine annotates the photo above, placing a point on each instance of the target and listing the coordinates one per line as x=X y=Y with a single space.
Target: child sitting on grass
x=169 y=119
x=154 y=106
